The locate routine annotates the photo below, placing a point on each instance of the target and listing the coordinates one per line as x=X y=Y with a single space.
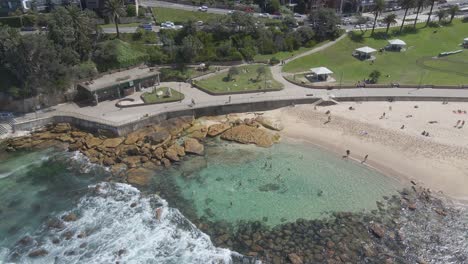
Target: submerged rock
x=139 y=176
x=38 y=253
x=192 y=145
x=249 y=135
x=377 y=230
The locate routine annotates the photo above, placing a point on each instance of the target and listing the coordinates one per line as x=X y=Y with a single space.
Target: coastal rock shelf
x=134 y=158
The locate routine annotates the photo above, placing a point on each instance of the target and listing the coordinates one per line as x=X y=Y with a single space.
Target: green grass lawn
x=245 y=81
x=153 y=98
x=120 y=25
x=417 y=65
x=178 y=16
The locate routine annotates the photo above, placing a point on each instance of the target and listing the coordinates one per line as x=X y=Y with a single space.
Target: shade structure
x=366 y=50
x=465 y=40
x=321 y=71
x=397 y=42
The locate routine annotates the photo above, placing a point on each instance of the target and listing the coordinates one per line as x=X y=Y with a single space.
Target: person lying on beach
x=462 y=124
x=458 y=123
x=408 y=116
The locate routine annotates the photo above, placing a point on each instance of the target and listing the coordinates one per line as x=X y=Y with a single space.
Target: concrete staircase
x=6 y=126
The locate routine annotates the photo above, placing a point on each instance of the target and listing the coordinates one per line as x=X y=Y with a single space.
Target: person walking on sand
x=365 y=159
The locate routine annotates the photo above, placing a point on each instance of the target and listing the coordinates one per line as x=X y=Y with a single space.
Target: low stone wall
x=124 y=129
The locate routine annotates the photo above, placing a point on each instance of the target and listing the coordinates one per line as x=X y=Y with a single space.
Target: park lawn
x=153 y=98
x=245 y=81
x=120 y=25
x=178 y=16
x=283 y=55
x=416 y=65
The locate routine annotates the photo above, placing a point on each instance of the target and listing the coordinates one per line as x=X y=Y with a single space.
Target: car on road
x=297 y=15
x=146 y=26
x=230 y=12
x=203 y=8
x=264 y=15
x=170 y=25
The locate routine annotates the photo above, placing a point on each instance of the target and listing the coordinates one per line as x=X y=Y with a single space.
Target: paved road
x=111 y=30
x=153 y=3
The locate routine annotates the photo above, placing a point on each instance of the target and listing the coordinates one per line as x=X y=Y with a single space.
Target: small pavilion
x=364 y=53
x=320 y=74
x=465 y=43
x=396 y=44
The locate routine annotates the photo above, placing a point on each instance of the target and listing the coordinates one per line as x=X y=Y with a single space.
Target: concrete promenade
x=107 y=113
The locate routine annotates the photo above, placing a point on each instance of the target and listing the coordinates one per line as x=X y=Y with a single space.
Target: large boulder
x=91 y=141
x=217 y=129
x=270 y=123
x=197 y=131
x=177 y=125
x=139 y=176
x=140 y=134
x=132 y=161
x=249 y=135
x=192 y=145
x=377 y=230
x=112 y=142
x=295 y=259
x=158 y=138
x=178 y=149
x=158 y=153
x=171 y=154
x=61 y=128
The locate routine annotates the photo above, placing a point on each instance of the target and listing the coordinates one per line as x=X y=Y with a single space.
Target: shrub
x=13 y=21
x=374 y=76
x=85 y=70
x=174 y=75
x=274 y=61
x=433 y=24
x=131 y=10
x=29 y=20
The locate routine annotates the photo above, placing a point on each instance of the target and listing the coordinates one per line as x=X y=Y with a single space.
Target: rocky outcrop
x=217 y=129
x=38 y=253
x=197 y=131
x=171 y=154
x=295 y=259
x=112 y=142
x=377 y=230
x=249 y=135
x=270 y=123
x=139 y=176
x=192 y=146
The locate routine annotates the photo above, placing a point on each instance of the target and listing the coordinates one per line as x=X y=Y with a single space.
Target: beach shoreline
x=400 y=155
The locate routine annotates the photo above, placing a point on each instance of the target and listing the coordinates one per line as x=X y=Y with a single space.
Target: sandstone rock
x=158 y=153
x=138 y=135
x=197 y=131
x=61 y=128
x=71 y=217
x=377 y=230
x=270 y=123
x=66 y=138
x=132 y=161
x=150 y=165
x=412 y=206
x=45 y=135
x=78 y=134
x=179 y=149
x=108 y=161
x=38 y=253
x=217 y=129
x=295 y=259
x=192 y=145
x=118 y=169
x=175 y=126
x=248 y=135
x=171 y=154
x=91 y=141
x=112 y=142
x=159 y=137
x=76 y=146
x=166 y=162
x=369 y=251
x=139 y=176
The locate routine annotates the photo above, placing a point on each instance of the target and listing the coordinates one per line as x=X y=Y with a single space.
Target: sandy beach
x=437 y=161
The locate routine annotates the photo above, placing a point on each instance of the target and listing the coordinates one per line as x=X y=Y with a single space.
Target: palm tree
x=114 y=9
x=420 y=4
x=389 y=19
x=453 y=11
x=406 y=4
x=379 y=6
x=430 y=12
x=441 y=14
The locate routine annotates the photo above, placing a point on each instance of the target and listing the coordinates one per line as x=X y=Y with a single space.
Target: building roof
x=321 y=71
x=110 y=79
x=397 y=42
x=465 y=39
x=366 y=49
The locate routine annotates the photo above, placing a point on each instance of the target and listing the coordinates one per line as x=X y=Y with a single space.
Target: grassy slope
x=216 y=83
x=409 y=67
x=180 y=16
x=151 y=98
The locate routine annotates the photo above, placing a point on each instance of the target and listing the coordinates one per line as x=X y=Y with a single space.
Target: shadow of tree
x=356 y=37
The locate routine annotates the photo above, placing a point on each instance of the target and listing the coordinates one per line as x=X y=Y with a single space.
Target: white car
x=265 y=15
x=203 y=8
x=297 y=15
x=230 y=12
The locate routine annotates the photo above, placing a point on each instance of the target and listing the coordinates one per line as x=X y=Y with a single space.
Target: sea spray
x=117 y=223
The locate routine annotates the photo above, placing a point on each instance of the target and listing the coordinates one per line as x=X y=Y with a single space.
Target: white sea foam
x=116 y=231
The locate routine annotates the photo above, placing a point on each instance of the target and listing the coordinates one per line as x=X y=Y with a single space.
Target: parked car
x=297 y=15
x=230 y=12
x=146 y=26
x=265 y=15
x=203 y=8
x=28 y=29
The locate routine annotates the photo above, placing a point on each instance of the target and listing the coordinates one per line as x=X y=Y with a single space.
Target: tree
x=115 y=9
x=389 y=19
x=261 y=71
x=420 y=4
x=191 y=47
x=273 y=6
x=325 y=23
x=361 y=21
x=379 y=6
x=405 y=4
x=72 y=28
x=441 y=14
x=430 y=12
x=232 y=72
x=374 y=76
x=453 y=10
x=131 y=10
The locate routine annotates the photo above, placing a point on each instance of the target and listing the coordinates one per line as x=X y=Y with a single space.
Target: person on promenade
x=347 y=154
